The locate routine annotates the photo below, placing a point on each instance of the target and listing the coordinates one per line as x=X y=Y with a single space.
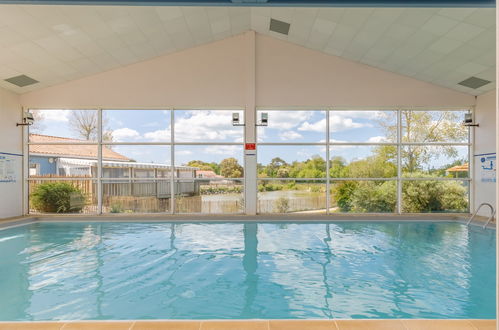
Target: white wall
x=485 y=142
x=11 y=202
x=291 y=75
x=217 y=74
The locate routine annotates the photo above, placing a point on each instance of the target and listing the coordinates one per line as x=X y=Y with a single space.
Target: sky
x=205 y=126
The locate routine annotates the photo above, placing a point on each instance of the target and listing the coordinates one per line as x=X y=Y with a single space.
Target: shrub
x=317 y=188
x=281 y=205
x=434 y=196
x=116 y=208
x=343 y=193
x=57 y=197
x=374 y=197
x=270 y=187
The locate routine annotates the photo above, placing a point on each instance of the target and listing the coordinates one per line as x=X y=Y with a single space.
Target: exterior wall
x=11 y=201
x=46 y=167
x=485 y=143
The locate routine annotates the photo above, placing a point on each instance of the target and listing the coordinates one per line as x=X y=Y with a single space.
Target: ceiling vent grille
x=22 y=80
x=474 y=82
x=279 y=26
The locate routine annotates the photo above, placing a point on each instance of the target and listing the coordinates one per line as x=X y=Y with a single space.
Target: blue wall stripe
x=297 y=3
x=490 y=153
x=8 y=153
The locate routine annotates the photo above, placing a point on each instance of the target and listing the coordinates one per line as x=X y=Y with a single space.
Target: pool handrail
x=492 y=214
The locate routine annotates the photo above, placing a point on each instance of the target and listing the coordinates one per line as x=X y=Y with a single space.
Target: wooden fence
x=154 y=197
x=191 y=204
x=142 y=197
x=287 y=205
x=86 y=186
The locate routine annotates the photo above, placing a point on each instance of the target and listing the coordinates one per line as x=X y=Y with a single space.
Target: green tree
x=314 y=167
x=426 y=127
x=337 y=167
x=205 y=166
x=273 y=167
x=230 y=168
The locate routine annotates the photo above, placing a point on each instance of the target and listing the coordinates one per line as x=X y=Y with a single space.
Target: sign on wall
x=488 y=167
x=9 y=167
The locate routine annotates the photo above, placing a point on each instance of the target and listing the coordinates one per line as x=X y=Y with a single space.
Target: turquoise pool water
x=53 y=271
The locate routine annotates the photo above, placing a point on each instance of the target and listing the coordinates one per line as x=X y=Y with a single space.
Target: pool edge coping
x=265 y=218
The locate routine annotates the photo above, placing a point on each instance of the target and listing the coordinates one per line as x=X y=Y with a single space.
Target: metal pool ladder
x=492 y=214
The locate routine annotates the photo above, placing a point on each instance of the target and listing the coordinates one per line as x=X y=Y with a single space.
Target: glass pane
x=207 y=126
x=152 y=196
x=433 y=126
x=363 y=196
x=363 y=161
x=56 y=161
x=70 y=126
x=209 y=196
x=57 y=196
x=212 y=161
x=435 y=196
x=136 y=125
x=292 y=126
x=291 y=161
x=435 y=161
x=291 y=196
x=363 y=126
x=148 y=156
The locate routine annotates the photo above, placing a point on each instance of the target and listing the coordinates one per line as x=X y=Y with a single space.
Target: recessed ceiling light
x=21 y=80
x=279 y=26
x=474 y=82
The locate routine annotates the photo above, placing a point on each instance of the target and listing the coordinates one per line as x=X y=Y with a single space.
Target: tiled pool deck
x=259 y=325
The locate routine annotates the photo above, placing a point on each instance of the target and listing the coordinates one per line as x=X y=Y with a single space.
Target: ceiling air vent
x=474 y=82
x=279 y=26
x=22 y=80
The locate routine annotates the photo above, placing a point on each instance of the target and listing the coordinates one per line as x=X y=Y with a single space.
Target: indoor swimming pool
x=251 y=270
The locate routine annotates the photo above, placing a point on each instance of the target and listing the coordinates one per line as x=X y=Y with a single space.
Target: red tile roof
x=458 y=168
x=75 y=150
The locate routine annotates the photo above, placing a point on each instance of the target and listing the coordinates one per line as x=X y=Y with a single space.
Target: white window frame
x=250 y=195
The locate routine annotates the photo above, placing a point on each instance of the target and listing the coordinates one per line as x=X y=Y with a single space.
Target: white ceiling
x=54 y=44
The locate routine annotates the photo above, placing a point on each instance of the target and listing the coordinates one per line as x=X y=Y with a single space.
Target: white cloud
x=319 y=126
x=124 y=134
x=53 y=115
x=206 y=126
x=339 y=123
x=286 y=120
x=289 y=135
x=158 y=136
x=377 y=139
x=184 y=152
